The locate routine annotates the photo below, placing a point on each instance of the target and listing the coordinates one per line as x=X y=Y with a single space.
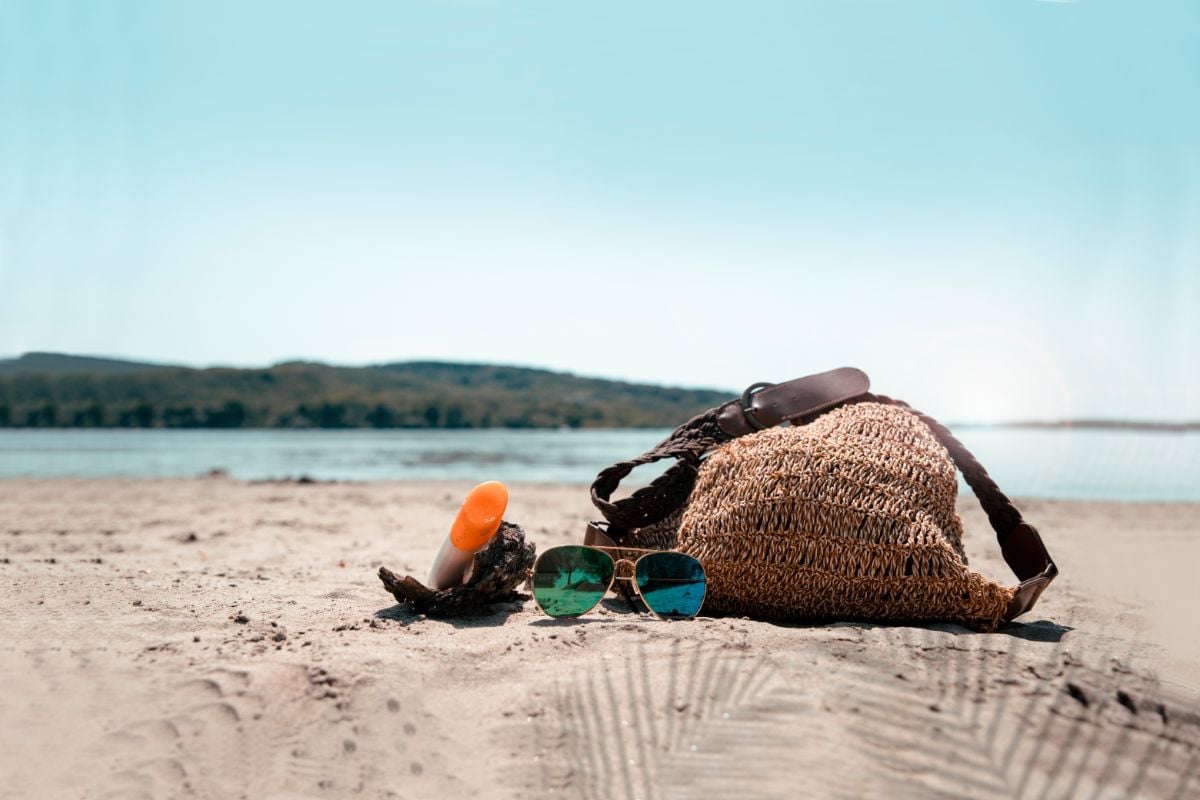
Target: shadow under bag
x=817 y=500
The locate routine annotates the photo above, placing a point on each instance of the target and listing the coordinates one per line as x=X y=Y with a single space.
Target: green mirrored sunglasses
x=571 y=579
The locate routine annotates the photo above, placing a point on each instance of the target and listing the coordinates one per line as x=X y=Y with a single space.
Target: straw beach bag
x=817 y=500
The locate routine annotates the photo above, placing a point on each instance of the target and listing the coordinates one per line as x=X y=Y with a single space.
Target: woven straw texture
x=848 y=517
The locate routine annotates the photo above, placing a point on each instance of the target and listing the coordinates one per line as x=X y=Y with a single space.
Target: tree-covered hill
x=54 y=390
x=61 y=363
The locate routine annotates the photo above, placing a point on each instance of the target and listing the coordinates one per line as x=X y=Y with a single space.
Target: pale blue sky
x=992 y=207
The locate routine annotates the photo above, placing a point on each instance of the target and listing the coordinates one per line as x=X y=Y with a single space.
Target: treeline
x=302 y=395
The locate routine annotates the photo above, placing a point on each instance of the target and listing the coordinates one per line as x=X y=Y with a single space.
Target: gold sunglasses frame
x=631 y=578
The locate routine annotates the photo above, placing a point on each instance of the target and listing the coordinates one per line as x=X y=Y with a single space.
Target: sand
x=217 y=639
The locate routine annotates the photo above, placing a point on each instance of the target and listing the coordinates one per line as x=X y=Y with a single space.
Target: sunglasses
x=571 y=579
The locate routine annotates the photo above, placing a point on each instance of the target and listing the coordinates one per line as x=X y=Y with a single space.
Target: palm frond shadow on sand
x=935 y=715
x=703 y=723
x=1027 y=723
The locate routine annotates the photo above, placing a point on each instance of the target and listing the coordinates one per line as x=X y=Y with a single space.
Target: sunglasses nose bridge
x=623 y=569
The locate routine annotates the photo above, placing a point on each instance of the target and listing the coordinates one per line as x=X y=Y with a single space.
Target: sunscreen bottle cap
x=480 y=516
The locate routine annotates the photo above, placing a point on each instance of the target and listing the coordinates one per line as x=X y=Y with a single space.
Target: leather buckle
x=748 y=407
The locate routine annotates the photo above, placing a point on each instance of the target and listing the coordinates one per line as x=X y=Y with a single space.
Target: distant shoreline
x=1088 y=424
x=49 y=390
x=68 y=392
x=1085 y=424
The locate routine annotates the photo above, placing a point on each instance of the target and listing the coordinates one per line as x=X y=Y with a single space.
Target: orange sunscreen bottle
x=476 y=524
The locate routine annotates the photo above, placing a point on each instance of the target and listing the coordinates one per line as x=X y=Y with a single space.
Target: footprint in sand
x=264 y=734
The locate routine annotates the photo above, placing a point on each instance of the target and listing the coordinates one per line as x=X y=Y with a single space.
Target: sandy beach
x=211 y=638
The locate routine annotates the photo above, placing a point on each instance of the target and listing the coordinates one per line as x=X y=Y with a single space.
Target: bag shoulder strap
x=765 y=405
x=1020 y=543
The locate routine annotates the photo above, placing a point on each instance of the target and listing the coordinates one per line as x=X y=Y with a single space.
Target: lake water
x=1073 y=464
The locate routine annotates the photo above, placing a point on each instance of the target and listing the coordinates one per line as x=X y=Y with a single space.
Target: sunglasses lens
x=672 y=584
x=570 y=580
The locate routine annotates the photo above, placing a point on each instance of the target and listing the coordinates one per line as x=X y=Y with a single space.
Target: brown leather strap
x=800 y=400
x=597 y=536
x=765 y=405
x=1020 y=543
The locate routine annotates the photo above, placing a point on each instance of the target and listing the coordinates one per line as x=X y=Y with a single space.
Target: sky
x=992 y=208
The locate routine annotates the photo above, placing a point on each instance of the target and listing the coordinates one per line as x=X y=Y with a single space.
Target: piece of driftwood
x=495 y=573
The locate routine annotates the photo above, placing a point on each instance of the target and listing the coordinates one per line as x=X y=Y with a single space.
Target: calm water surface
x=1124 y=465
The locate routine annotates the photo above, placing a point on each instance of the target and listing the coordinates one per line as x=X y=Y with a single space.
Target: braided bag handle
x=668 y=492
x=1020 y=543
